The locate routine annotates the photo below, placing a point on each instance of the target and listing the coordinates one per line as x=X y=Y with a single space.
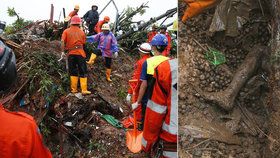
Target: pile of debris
x=223 y=107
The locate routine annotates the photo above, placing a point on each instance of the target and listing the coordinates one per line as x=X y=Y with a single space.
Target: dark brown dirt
x=207 y=130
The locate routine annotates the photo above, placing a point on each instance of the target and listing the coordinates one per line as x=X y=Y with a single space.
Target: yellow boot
x=91 y=59
x=74 y=83
x=83 y=83
x=108 y=73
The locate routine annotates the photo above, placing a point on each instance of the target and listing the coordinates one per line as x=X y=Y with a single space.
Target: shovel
x=134 y=137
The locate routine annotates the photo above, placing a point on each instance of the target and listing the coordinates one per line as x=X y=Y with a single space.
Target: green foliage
x=46 y=74
x=121 y=94
x=18 y=24
x=44 y=130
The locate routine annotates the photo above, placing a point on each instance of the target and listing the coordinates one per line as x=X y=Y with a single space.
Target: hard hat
x=145 y=48
x=159 y=40
x=155 y=26
x=77 y=7
x=163 y=27
x=175 y=25
x=8 y=72
x=75 y=20
x=106 y=18
x=105 y=27
x=94 y=6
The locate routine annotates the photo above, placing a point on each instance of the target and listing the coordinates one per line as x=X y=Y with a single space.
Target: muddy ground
x=207 y=127
x=73 y=127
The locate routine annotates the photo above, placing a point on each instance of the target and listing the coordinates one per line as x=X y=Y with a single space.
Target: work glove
x=128 y=98
x=134 y=106
x=116 y=55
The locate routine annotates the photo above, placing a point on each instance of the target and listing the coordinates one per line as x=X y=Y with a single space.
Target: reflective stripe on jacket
x=161 y=113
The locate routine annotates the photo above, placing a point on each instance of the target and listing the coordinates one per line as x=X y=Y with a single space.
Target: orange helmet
x=75 y=20
x=106 y=18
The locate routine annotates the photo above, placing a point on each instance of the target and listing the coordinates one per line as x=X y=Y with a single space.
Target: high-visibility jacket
x=20 y=136
x=166 y=51
x=161 y=112
x=136 y=75
x=195 y=7
x=151 y=35
x=98 y=26
x=147 y=73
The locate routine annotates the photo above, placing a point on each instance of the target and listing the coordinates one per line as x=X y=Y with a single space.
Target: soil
x=205 y=128
x=73 y=127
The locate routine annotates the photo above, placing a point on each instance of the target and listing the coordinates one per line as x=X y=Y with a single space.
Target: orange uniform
x=20 y=137
x=98 y=26
x=197 y=6
x=151 y=35
x=161 y=114
x=74 y=38
x=166 y=52
x=136 y=75
x=73 y=13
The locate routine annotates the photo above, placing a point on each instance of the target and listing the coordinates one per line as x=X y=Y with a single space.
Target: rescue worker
x=158 y=43
x=163 y=31
x=161 y=119
x=75 y=11
x=91 y=18
x=152 y=33
x=19 y=134
x=144 y=51
x=98 y=26
x=196 y=7
x=73 y=40
x=108 y=46
x=71 y=14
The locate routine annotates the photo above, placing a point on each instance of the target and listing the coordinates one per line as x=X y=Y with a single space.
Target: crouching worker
x=73 y=40
x=107 y=43
x=20 y=137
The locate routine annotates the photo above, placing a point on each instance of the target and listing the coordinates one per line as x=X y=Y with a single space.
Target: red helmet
x=106 y=18
x=75 y=20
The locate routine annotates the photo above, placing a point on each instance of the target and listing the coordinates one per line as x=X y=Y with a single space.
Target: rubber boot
x=83 y=83
x=74 y=83
x=108 y=74
x=91 y=59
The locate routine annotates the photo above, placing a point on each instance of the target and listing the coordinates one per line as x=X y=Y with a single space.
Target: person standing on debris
x=71 y=14
x=19 y=134
x=163 y=31
x=158 y=43
x=73 y=40
x=98 y=26
x=75 y=11
x=152 y=33
x=108 y=45
x=91 y=18
x=144 y=51
x=161 y=119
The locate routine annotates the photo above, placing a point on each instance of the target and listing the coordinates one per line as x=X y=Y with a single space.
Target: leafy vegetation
x=18 y=24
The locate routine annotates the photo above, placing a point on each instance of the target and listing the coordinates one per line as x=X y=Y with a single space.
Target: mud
x=240 y=131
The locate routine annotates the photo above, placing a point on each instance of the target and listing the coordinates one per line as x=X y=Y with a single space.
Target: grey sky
x=40 y=9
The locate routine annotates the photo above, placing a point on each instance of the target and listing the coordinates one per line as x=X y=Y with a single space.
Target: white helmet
x=145 y=48
x=105 y=27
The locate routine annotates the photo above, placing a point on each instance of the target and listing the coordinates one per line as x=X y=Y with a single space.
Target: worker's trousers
x=77 y=65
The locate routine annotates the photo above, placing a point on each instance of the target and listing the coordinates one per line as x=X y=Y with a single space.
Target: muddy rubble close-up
x=228 y=106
